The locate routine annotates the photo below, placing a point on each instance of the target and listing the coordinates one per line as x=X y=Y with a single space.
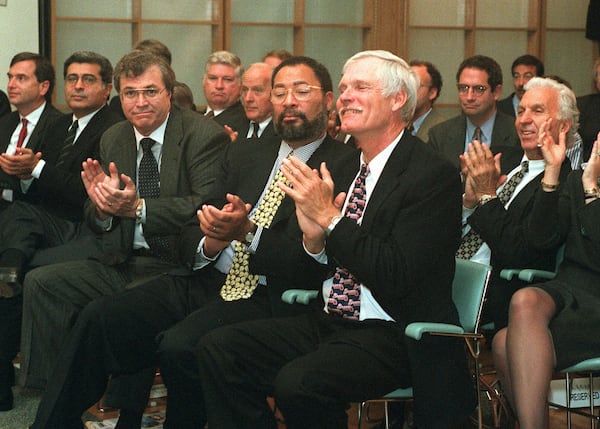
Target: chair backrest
x=468 y=292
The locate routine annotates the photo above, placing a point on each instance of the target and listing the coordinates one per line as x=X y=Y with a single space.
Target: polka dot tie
x=344 y=298
x=149 y=188
x=240 y=283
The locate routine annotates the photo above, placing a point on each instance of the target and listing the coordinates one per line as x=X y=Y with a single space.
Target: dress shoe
x=9 y=284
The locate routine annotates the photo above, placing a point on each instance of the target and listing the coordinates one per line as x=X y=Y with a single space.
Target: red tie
x=22 y=134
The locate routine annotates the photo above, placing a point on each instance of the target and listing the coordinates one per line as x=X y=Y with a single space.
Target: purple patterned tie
x=344 y=298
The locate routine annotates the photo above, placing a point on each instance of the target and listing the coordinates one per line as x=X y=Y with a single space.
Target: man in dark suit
x=30 y=85
x=401 y=217
x=186 y=307
x=153 y=171
x=498 y=208
x=222 y=85
x=479 y=83
x=256 y=99
x=430 y=88
x=522 y=70
x=53 y=213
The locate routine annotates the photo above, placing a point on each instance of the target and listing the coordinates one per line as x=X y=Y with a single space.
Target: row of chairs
x=468 y=293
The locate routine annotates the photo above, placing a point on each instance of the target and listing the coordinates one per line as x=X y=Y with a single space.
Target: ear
x=565 y=125
x=329 y=100
x=398 y=100
x=497 y=92
x=44 y=87
x=433 y=93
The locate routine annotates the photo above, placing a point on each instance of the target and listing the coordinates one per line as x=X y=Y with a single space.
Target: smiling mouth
x=345 y=110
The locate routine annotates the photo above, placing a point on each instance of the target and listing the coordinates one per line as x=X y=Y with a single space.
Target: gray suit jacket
x=448 y=138
x=434 y=118
x=191 y=154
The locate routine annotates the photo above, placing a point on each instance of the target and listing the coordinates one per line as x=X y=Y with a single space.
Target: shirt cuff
x=201 y=260
x=37 y=171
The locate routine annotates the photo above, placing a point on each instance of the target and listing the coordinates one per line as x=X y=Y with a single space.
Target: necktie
x=240 y=283
x=255 y=130
x=68 y=145
x=149 y=188
x=477 y=135
x=471 y=242
x=22 y=133
x=344 y=298
x=210 y=114
x=411 y=128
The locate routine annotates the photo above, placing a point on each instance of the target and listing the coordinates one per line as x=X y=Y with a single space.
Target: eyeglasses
x=478 y=90
x=148 y=93
x=300 y=92
x=86 y=79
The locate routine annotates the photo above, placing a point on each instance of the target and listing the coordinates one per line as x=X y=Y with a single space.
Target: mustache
x=292 y=112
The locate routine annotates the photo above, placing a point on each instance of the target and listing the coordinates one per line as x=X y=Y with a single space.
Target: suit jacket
x=506 y=105
x=8 y=124
x=449 y=137
x=191 y=153
x=268 y=132
x=234 y=116
x=434 y=118
x=503 y=230
x=60 y=190
x=4 y=104
x=404 y=253
x=589 y=121
x=280 y=255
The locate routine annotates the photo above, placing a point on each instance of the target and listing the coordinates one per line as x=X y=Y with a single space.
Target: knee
x=175 y=345
x=103 y=314
x=288 y=385
x=525 y=304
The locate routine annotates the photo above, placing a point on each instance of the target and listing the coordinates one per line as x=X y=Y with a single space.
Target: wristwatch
x=139 y=210
x=485 y=199
x=332 y=224
x=249 y=238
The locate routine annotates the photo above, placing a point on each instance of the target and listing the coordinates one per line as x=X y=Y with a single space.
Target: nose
x=289 y=99
x=141 y=99
x=220 y=82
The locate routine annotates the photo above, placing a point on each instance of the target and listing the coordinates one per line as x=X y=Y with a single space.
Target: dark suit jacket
x=191 y=153
x=268 y=132
x=60 y=190
x=504 y=232
x=4 y=104
x=506 y=105
x=448 y=138
x=404 y=252
x=280 y=255
x=8 y=124
x=234 y=116
x=434 y=118
x=589 y=121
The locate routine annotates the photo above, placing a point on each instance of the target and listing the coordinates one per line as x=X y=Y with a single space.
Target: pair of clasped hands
x=104 y=190
x=21 y=164
x=311 y=190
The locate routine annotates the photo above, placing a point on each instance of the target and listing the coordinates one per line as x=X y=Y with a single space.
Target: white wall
x=18 y=32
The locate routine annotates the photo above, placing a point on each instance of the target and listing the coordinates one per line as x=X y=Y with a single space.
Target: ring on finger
x=214 y=229
x=109 y=204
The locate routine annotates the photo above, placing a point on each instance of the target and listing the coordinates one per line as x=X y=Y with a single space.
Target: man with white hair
x=377 y=244
x=497 y=208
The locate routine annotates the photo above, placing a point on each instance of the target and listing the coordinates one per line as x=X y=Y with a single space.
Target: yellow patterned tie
x=240 y=283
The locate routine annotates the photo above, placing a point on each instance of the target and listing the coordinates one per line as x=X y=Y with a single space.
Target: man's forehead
x=541 y=96
x=219 y=69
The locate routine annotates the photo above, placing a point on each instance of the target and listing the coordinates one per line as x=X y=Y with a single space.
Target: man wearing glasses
x=479 y=85
x=152 y=172
x=244 y=246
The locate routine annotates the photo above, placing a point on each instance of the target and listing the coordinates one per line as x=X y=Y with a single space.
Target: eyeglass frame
x=86 y=79
x=294 y=90
x=478 y=90
x=143 y=91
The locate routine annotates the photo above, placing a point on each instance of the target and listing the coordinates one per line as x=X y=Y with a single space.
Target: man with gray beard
x=245 y=234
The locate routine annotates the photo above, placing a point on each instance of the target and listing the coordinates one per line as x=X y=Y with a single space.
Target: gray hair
x=567 y=103
x=395 y=76
x=227 y=58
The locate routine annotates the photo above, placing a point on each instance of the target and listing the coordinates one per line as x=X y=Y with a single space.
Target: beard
x=307 y=130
